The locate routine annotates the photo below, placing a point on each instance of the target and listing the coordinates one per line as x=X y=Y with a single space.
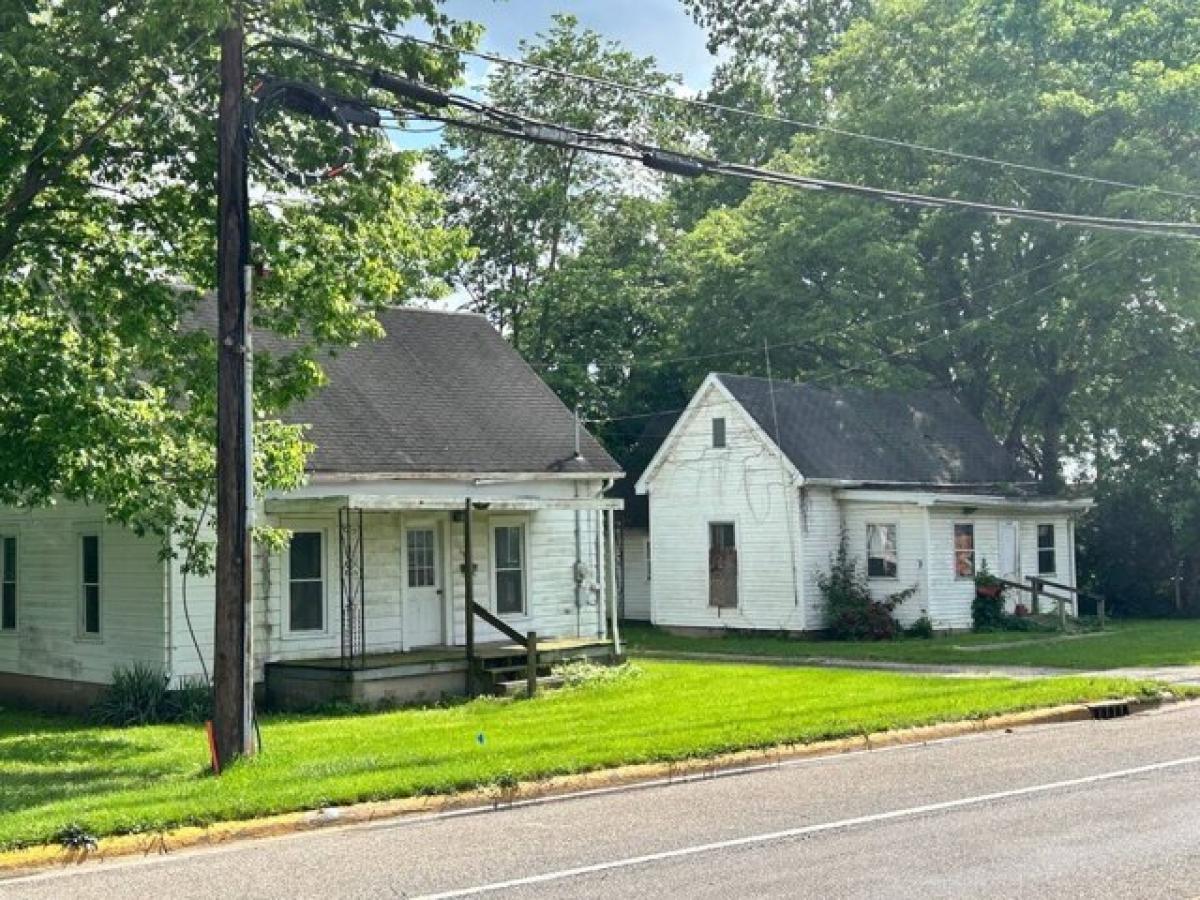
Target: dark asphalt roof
x=858 y=434
x=637 y=506
x=440 y=392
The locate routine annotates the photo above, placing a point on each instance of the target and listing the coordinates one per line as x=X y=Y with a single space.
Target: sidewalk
x=1185 y=675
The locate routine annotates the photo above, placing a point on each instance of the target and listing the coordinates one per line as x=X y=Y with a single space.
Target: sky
x=659 y=28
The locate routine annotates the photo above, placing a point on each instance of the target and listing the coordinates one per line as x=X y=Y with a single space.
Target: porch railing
x=1037 y=589
x=527 y=640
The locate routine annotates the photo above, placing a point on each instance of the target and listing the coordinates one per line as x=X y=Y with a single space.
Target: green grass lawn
x=1124 y=643
x=56 y=771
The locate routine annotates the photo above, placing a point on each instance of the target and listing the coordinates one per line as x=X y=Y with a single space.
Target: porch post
x=612 y=579
x=469 y=598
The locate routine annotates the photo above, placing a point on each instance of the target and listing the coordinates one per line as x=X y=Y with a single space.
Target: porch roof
x=389 y=503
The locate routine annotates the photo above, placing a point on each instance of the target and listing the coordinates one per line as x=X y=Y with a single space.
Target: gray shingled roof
x=855 y=434
x=441 y=392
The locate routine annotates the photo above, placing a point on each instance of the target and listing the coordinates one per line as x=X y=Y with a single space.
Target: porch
x=424 y=675
x=430 y=596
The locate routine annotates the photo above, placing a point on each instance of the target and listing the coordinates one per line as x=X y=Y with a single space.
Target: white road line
x=749 y=840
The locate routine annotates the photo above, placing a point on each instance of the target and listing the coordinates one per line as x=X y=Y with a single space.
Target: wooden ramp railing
x=1037 y=589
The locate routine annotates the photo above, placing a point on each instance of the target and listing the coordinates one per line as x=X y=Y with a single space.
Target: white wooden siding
x=637 y=584
x=950 y=604
x=909 y=520
x=549 y=580
x=741 y=483
x=47 y=641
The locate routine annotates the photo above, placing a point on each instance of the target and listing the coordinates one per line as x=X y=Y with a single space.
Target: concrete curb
x=33 y=859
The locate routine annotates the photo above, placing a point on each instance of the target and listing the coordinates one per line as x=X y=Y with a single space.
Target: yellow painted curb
x=33 y=859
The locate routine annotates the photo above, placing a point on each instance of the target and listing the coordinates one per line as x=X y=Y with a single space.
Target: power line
x=795 y=124
x=498 y=121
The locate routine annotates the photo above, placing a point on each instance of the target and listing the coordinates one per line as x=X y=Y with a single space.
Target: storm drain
x=1112 y=709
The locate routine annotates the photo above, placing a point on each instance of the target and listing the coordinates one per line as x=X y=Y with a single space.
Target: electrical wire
x=795 y=124
x=512 y=124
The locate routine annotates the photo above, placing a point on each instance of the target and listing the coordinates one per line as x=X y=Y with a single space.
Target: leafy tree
x=107 y=187
x=1140 y=545
x=1053 y=334
x=531 y=208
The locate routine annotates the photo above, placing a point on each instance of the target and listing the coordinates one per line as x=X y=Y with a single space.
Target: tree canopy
x=107 y=243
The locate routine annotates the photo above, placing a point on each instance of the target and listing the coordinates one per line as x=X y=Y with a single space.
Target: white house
x=437 y=422
x=753 y=487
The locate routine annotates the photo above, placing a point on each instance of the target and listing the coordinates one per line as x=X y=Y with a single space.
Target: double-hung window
x=882 y=556
x=1047 y=564
x=89 y=596
x=508 y=545
x=306 y=582
x=964 y=550
x=8 y=583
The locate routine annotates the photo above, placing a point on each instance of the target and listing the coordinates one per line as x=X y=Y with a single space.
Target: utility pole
x=233 y=731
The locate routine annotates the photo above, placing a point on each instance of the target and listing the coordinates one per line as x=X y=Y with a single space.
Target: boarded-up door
x=1010 y=551
x=722 y=565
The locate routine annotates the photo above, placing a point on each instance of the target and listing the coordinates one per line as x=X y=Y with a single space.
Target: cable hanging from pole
x=421 y=101
x=713 y=107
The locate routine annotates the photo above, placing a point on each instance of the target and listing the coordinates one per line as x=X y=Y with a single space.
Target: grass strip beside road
x=56 y=771
x=1163 y=642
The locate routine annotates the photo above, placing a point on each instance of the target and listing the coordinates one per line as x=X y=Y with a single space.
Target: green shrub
x=853 y=614
x=139 y=695
x=987 y=608
x=191 y=702
x=921 y=628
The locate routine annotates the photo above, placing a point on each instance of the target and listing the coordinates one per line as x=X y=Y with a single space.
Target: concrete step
x=519 y=688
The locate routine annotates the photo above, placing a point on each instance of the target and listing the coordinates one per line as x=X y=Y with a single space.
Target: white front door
x=1010 y=551
x=422 y=586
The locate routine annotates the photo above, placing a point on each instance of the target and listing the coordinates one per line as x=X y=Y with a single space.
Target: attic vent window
x=718 y=432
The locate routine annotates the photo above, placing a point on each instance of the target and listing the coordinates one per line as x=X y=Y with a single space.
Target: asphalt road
x=1096 y=809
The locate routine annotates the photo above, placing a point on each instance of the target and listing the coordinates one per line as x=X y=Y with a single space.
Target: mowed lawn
x=55 y=771
x=1173 y=642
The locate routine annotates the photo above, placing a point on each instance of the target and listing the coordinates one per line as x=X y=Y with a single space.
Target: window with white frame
x=508 y=547
x=8 y=583
x=89 y=596
x=1047 y=564
x=882 y=556
x=306 y=582
x=964 y=550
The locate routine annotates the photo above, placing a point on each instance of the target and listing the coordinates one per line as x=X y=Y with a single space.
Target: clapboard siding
x=742 y=483
x=550 y=581
x=637 y=573
x=909 y=520
x=951 y=596
x=47 y=641
x=822 y=523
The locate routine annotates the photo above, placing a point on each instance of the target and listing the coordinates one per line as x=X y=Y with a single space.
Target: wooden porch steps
x=519 y=688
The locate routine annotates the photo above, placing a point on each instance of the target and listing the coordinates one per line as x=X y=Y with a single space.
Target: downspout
x=601 y=587
x=577 y=574
x=612 y=577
